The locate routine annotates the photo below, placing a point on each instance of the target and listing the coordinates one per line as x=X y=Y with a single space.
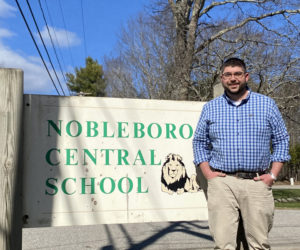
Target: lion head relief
x=174 y=177
x=173 y=168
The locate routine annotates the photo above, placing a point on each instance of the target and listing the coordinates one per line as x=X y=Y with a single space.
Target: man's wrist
x=205 y=168
x=273 y=176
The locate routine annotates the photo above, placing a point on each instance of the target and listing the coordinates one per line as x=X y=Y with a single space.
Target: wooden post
x=11 y=105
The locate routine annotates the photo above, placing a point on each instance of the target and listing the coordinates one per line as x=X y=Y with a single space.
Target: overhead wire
x=35 y=43
x=83 y=29
x=37 y=27
x=62 y=13
x=53 y=46
x=50 y=19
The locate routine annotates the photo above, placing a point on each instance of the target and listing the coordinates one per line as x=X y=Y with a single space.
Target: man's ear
x=247 y=76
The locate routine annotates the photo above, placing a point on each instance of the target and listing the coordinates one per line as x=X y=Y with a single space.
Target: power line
x=32 y=37
x=50 y=19
x=37 y=27
x=83 y=28
x=53 y=46
x=62 y=13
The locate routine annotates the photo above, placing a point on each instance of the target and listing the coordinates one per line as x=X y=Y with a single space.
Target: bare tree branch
x=241 y=24
x=215 y=4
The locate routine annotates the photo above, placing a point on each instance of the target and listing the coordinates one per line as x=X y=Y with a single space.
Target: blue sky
x=103 y=20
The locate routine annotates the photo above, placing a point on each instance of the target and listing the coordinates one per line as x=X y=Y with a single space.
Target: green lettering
x=63 y=186
x=53 y=125
x=190 y=130
x=152 y=156
x=138 y=130
x=159 y=130
x=79 y=128
x=129 y=181
x=140 y=186
x=122 y=157
x=52 y=186
x=139 y=157
x=71 y=156
x=122 y=129
x=91 y=128
x=48 y=158
x=112 y=188
x=83 y=185
x=92 y=157
x=105 y=130
x=107 y=159
x=170 y=131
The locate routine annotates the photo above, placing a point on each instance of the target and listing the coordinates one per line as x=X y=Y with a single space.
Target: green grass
x=294 y=205
x=286 y=193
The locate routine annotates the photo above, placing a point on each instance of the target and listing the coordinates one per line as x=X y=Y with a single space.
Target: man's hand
x=208 y=173
x=212 y=175
x=266 y=178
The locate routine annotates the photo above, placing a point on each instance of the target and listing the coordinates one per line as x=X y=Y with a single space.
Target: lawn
x=284 y=194
x=292 y=205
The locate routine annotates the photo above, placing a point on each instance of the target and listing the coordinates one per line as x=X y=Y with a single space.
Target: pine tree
x=89 y=80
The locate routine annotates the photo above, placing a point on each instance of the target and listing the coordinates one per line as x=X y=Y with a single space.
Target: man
x=232 y=147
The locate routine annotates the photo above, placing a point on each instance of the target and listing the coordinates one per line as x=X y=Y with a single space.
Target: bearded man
x=232 y=147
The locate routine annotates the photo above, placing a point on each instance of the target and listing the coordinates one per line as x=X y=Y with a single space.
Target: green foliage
x=293 y=166
x=295 y=156
x=89 y=80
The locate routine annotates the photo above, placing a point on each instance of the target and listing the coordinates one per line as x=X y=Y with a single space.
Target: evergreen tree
x=88 y=80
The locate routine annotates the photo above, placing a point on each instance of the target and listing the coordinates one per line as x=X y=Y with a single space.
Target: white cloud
x=6 y=10
x=36 y=78
x=5 y=33
x=61 y=38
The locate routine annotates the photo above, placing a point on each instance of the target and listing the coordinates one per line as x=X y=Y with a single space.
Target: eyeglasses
x=228 y=75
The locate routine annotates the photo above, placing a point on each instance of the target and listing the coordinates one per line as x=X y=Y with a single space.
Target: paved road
x=285 y=235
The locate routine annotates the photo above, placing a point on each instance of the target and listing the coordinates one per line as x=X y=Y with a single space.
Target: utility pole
x=11 y=105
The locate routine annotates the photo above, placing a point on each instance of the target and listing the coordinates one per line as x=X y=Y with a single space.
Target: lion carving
x=174 y=178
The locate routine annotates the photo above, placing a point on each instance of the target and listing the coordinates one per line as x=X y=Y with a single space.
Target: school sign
x=108 y=160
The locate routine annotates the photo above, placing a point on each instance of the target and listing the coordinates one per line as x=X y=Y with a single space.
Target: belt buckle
x=244 y=175
x=240 y=175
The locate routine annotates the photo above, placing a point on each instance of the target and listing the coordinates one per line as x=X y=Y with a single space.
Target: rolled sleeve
x=279 y=137
x=201 y=142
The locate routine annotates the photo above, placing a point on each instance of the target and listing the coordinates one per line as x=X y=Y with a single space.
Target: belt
x=242 y=174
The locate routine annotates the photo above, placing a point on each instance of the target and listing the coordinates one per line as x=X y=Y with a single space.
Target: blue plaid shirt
x=237 y=138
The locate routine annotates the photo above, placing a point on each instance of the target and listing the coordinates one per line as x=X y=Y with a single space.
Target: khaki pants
x=254 y=199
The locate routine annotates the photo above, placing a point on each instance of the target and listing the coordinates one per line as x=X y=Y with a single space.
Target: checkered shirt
x=238 y=138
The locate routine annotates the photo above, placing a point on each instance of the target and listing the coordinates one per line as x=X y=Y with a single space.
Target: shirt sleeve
x=279 y=136
x=201 y=142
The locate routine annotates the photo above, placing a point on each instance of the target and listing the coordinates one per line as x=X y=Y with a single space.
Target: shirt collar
x=242 y=102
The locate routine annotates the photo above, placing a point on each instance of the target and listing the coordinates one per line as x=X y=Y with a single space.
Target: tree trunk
x=186 y=15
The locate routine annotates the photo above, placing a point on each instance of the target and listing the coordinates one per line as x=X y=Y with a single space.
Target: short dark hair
x=233 y=62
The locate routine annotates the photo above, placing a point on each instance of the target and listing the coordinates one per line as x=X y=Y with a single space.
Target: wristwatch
x=273 y=176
